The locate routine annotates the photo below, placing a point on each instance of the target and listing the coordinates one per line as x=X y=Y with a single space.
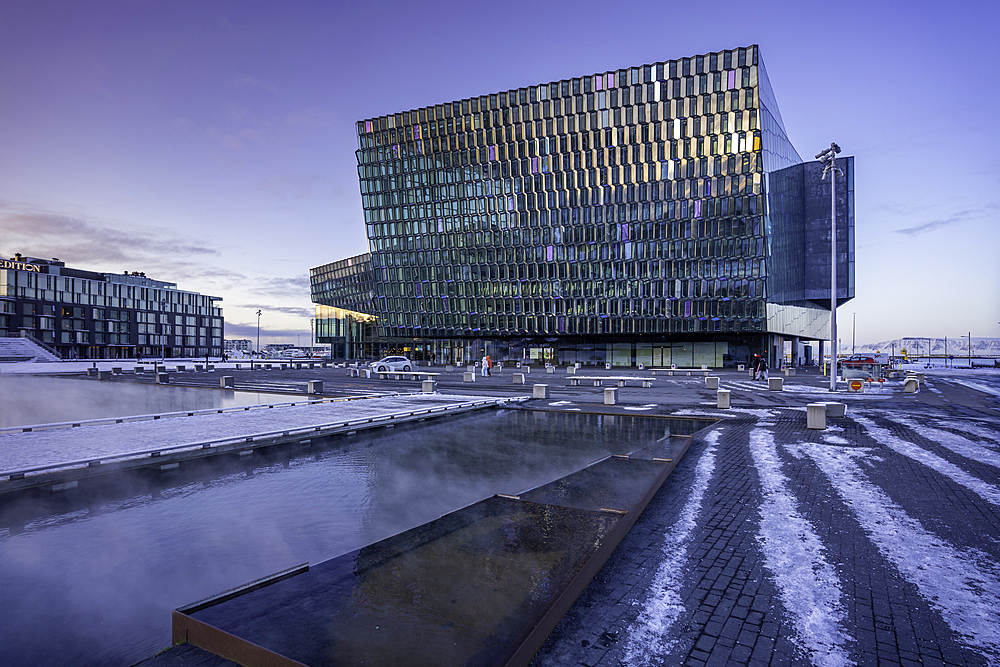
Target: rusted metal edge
x=526 y=651
x=213 y=600
x=197 y=633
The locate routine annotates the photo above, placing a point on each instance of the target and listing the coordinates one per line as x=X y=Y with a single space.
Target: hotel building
x=81 y=314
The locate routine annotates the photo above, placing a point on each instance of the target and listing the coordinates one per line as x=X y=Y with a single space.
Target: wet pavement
x=875 y=541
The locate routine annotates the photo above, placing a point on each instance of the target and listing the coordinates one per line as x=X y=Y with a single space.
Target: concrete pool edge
x=67 y=474
x=230 y=644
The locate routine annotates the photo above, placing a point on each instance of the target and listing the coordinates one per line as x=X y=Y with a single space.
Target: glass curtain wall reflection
x=580 y=216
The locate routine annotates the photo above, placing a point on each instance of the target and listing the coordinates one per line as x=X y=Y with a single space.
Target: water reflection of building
x=89 y=315
x=655 y=214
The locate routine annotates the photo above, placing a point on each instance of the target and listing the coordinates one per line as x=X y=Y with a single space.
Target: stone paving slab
x=875 y=542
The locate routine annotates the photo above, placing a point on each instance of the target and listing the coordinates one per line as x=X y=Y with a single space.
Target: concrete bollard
x=571 y=370
x=469 y=377
x=789 y=372
x=181 y=368
x=116 y=370
x=267 y=367
x=775 y=384
x=611 y=396
x=199 y=367
x=711 y=382
x=209 y=367
x=227 y=382
x=722 y=399
x=284 y=367
x=162 y=378
x=518 y=378
x=315 y=387
x=526 y=369
x=540 y=391
x=103 y=375
x=910 y=386
x=835 y=410
x=704 y=367
x=816 y=416
x=577 y=365
x=550 y=369
x=428 y=386
x=607 y=367
x=741 y=367
x=91 y=372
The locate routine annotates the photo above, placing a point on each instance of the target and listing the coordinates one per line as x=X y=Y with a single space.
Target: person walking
x=489 y=366
x=484 y=371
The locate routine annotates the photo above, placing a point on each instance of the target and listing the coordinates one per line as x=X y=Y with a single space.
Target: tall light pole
x=854 y=330
x=829 y=158
x=258 y=333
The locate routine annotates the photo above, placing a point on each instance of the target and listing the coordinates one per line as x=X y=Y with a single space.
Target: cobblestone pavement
x=874 y=542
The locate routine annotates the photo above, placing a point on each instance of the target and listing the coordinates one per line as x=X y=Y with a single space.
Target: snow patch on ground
x=808 y=585
x=648 y=640
x=978 y=386
x=987 y=492
x=956 y=443
x=966 y=594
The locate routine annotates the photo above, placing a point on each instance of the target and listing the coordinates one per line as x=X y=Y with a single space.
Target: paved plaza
x=873 y=542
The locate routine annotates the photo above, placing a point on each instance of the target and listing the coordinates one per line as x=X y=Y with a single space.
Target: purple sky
x=212 y=143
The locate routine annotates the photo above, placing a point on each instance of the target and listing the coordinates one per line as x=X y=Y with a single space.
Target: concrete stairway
x=24 y=349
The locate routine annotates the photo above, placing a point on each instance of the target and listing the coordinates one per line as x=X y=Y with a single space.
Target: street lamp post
x=258 y=333
x=854 y=331
x=829 y=158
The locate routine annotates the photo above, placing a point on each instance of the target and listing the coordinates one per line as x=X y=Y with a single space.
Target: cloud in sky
x=282 y=287
x=960 y=216
x=285 y=310
x=234 y=330
x=83 y=242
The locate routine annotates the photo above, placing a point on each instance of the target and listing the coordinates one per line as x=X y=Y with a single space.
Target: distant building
x=89 y=315
x=238 y=345
x=655 y=214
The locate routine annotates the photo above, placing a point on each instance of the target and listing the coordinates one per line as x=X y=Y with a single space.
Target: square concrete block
x=103 y=375
x=836 y=410
x=741 y=367
x=116 y=370
x=428 y=386
x=571 y=370
x=162 y=378
x=469 y=377
x=227 y=382
x=199 y=367
x=518 y=378
x=711 y=382
x=550 y=369
x=540 y=391
x=92 y=372
x=526 y=369
x=722 y=398
x=789 y=372
x=910 y=386
x=816 y=416
x=611 y=396
x=775 y=384
x=315 y=387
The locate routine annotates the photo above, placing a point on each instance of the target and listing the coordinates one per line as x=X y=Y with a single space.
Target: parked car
x=392 y=364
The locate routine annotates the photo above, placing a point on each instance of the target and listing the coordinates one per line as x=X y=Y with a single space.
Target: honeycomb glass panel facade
x=624 y=207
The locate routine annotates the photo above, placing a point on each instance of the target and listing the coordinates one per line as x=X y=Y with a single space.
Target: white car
x=392 y=364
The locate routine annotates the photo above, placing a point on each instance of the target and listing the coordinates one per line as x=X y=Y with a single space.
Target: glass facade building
x=621 y=217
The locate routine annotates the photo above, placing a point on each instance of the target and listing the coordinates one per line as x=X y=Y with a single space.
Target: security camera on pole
x=829 y=158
